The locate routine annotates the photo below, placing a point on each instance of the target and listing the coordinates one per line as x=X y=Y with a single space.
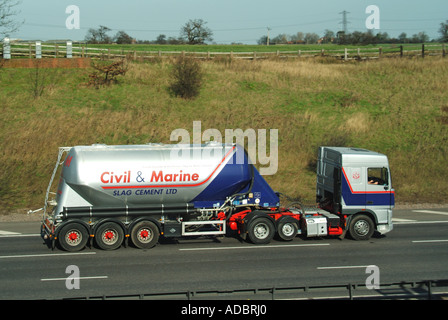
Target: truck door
x=378 y=189
x=353 y=186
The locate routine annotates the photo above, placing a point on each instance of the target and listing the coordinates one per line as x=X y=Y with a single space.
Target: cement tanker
x=100 y=175
x=140 y=192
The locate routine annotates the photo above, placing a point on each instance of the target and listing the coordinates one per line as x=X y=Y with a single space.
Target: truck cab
x=356 y=184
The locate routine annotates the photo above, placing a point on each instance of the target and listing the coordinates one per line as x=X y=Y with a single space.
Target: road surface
x=417 y=249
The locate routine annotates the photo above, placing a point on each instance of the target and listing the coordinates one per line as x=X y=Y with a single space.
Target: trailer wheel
x=109 y=236
x=145 y=235
x=361 y=227
x=73 y=237
x=261 y=230
x=287 y=228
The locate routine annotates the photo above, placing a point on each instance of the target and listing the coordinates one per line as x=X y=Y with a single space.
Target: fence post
x=380 y=52
x=255 y=55
x=443 y=50
x=38 y=50
x=69 y=49
x=322 y=52
x=401 y=51
x=6 y=49
x=423 y=50
x=345 y=54
x=299 y=53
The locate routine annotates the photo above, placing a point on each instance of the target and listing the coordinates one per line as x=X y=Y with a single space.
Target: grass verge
x=394 y=106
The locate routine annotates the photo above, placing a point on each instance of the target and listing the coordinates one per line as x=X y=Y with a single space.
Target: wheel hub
x=362 y=228
x=144 y=235
x=109 y=236
x=288 y=229
x=261 y=231
x=73 y=238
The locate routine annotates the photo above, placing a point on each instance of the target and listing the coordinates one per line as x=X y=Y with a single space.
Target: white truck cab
x=356 y=183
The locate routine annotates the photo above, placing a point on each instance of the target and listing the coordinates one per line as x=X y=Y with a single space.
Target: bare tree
x=8 y=24
x=98 y=35
x=161 y=39
x=328 y=36
x=444 y=31
x=123 y=38
x=187 y=78
x=195 y=32
x=311 y=38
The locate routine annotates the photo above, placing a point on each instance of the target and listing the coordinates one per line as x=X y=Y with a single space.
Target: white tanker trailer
x=142 y=192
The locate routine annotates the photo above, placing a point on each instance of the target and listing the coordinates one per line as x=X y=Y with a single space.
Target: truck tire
x=145 y=235
x=261 y=230
x=287 y=228
x=109 y=236
x=73 y=237
x=361 y=227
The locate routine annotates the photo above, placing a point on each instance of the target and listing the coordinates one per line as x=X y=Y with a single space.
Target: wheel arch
x=360 y=231
x=106 y=220
x=63 y=224
x=367 y=213
x=255 y=214
x=287 y=218
x=145 y=218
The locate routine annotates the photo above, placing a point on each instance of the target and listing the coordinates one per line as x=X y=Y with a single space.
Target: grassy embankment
x=397 y=107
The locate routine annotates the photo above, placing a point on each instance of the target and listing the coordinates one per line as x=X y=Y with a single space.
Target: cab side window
x=377 y=176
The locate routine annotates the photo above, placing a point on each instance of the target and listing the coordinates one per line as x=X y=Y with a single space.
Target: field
x=395 y=106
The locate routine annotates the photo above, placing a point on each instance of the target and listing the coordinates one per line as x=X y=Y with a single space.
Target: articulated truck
x=110 y=195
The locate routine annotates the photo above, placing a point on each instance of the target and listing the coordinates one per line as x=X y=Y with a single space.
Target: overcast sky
x=242 y=21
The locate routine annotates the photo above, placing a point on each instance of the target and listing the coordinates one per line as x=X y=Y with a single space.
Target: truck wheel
x=73 y=237
x=287 y=229
x=361 y=227
x=109 y=236
x=261 y=230
x=145 y=235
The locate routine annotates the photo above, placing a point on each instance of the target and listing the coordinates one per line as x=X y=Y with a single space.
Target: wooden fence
x=70 y=49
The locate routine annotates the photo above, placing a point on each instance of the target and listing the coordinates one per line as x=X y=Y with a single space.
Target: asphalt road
x=417 y=249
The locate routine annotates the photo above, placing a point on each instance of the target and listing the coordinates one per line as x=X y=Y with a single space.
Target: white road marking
x=256 y=247
x=7 y=233
x=428 y=241
x=18 y=235
x=76 y=278
x=343 y=267
x=431 y=211
x=419 y=222
x=46 y=255
x=402 y=220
